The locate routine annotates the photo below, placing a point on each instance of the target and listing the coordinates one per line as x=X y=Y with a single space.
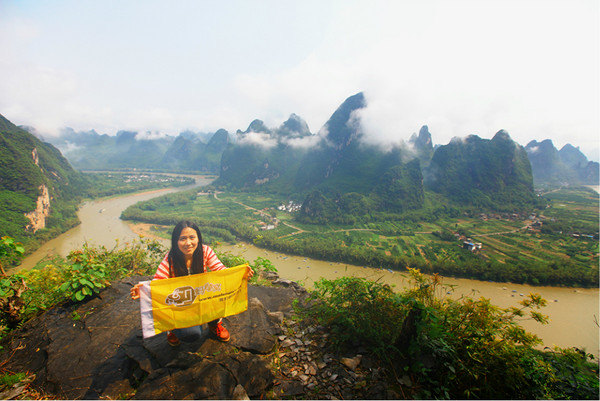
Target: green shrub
x=359 y=311
x=262 y=264
x=465 y=348
x=259 y=264
x=83 y=273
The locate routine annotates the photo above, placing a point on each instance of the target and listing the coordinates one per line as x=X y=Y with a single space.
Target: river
x=100 y=224
x=573 y=312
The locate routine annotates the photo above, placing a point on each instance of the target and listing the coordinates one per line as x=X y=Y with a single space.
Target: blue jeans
x=194 y=331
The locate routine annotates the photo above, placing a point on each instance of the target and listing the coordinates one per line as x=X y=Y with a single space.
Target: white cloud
x=258 y=139
x=461 y=67
x=151 y=135
x=305 y=142
x=69 y=147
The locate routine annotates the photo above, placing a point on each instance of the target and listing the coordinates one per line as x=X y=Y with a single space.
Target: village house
x=472 y=246
x=290 y=207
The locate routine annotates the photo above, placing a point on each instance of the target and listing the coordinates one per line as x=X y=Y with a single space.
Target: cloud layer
x=461 y=67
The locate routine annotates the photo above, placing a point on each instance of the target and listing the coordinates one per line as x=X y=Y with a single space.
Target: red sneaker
x=219 y=331
x=172 y=339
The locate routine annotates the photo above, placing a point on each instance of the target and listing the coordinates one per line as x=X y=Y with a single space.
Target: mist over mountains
x=569 y=165
x=189 y=151
x=345 y=174
x=337 y=173
x=339 y=155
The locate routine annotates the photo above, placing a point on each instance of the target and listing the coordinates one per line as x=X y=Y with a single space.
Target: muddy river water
x=573 y=312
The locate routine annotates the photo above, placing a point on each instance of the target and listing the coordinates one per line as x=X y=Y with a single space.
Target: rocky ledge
x=95 y=350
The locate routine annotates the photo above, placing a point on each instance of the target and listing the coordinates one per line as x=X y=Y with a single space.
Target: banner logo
x=184 y=296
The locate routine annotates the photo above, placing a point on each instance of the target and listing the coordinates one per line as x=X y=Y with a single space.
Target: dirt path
x=500 y=233
x=298 y=229
x=352 y=229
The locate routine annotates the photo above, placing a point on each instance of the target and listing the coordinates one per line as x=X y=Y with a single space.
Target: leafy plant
x=230 y=260
x=9 y=380
x=82 y=274
x=262 y=264
x=259 y=264
x=9 y=247
x=86 y=276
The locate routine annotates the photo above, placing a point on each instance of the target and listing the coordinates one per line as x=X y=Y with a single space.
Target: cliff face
x=35 y=182
x=37 y=217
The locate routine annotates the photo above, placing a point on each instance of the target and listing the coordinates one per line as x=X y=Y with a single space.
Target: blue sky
x=461 y=67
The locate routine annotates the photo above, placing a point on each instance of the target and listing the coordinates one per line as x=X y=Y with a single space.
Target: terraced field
x=509 y=240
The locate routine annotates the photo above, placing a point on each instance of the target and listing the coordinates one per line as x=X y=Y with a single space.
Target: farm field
x=508 y=240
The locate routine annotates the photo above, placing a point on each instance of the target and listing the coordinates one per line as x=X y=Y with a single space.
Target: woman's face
x=188 y=241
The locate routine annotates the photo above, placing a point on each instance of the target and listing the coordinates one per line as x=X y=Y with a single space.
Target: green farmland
x=557 y=245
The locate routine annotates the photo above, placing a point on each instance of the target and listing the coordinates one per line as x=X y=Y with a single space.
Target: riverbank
x=568 y=308
x=572 y=318
x=523 y=248
x=100 y=225
x=93 y=349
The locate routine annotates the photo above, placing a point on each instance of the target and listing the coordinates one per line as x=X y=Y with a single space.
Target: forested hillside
x=340 y=176
x=493 y=174
x=38 y=187
x=336 y=173
x=266 y=158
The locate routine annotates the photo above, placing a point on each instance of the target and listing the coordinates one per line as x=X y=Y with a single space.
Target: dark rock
x=268 y=275
x=95 y=349
x=282 y=282
x=253 y=330
x=291 y=284
x=251 y=372
x=77 y=358
x=277 y=317
x=277 y=299
x=288 y=388
x=204 y=380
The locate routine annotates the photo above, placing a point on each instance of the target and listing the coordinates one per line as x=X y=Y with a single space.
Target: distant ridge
x=272 y=155
x=188 y=151
x=565 y=167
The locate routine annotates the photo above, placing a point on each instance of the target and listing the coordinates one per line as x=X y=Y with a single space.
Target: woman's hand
x=135 y=291
x=249 y=273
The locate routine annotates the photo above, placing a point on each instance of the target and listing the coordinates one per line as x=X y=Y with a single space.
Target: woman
x=188 y=255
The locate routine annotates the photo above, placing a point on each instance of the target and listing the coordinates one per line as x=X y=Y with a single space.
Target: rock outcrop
x=95 y=349
x=38 y=216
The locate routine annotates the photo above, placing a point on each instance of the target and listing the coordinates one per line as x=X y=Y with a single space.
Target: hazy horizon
x=461 y=67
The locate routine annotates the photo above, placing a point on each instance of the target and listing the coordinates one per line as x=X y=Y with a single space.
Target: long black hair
x=176 y=257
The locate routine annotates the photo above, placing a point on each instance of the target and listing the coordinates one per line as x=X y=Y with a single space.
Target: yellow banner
x=193 y=300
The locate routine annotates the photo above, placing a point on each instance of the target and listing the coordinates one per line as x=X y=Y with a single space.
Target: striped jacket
x=211 y=263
